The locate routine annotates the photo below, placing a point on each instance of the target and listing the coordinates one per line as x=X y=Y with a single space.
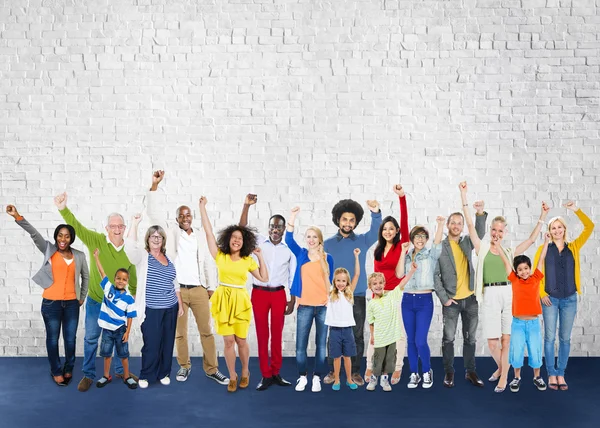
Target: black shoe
x=280 y=381
x=474 y=379
x=264 y=384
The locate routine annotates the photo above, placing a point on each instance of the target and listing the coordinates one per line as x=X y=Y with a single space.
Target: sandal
x=552 y=385
x=395 y=379
x=103 y=381
x=563 y=386
x=130 y=382
x=68 y=377
x=59 y=383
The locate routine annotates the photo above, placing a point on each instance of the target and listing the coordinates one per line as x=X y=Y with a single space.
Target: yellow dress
x=231 y=306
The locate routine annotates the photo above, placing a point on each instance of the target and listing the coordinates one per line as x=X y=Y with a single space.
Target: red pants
x=263 y=302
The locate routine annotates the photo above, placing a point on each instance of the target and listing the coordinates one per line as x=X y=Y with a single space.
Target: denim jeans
x=360 y=314
x=417 y=311
x=90 y=341
x=304 y=321
x=525 y=333
x=467 y=309
x=562 y=312
x=57 y=314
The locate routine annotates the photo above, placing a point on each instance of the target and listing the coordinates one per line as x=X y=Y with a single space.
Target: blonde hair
x=499 y=219
x=320 y=237
x=561 y=221
x=373 y=277
x=334 y=294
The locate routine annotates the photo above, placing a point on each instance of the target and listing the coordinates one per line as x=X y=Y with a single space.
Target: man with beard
x=455 y=287
x=197 y=277
x=271 y=296
x=346 y=215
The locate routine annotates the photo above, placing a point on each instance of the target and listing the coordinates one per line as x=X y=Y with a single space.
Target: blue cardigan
x=302 y=258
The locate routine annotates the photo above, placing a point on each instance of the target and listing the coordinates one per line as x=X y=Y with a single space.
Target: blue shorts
x=341 y=342
x=114 y=339
x=525 y=333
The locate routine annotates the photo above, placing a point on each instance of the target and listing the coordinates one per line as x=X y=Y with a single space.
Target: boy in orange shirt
x=526 y=307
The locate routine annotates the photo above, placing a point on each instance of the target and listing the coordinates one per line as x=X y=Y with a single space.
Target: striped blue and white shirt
x=117 y=306
x=160 y=285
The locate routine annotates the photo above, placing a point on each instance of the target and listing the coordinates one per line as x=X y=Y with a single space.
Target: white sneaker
x=166 y=380
x=414 y=380
x=316 y=384
x=385 y=383
x=301 y=383
x=428 y=379
x=143 y=383
x=372 y=383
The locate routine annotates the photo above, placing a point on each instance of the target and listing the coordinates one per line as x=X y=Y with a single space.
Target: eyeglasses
x=421 y=236
x=272 y=226
x=156 y=237
x=116 y=226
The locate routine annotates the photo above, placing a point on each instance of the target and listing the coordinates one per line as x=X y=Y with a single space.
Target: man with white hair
x=112 y=257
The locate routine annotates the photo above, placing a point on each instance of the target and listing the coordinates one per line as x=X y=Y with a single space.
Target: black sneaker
x=218 y=377
x=539 y=383
x=515 y=384
x=183 y=374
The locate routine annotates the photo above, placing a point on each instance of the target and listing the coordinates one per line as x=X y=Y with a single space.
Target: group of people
x=178 y=268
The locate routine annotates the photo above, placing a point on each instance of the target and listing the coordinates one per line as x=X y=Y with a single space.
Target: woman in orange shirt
x=64 y=277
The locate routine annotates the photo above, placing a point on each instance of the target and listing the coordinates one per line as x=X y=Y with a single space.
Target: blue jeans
x=417 y=311
x=304 y=320
x=57 y=314
x=90 y=341
x=562 y=312
x=525 y=333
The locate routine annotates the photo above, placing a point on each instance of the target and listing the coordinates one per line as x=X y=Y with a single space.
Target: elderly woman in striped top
x=158 y=301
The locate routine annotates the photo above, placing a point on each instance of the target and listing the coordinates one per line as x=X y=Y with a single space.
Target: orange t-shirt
x=314 y=292
x=526 y=294
x=63 y=287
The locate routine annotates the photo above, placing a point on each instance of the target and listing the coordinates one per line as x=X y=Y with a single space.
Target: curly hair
x=248 y=237
x=346 y=206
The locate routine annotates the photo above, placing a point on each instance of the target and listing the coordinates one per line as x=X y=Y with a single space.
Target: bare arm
x=262 y=273
x=98 y=264
x=540 y=262
x=401 y=260
x=440 y=229
x=413 y=268
x=250 y=200
x=467 y=214
x=523 y=246
x=356 y=269
x=372 y=339
x=126 y=334
x=507 y=265
x=208 y=230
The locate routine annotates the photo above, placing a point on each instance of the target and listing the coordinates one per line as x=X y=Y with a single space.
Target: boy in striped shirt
x=382 y=316
x=115 y=318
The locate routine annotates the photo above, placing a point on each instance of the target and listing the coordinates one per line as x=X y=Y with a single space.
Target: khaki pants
x=196 y=299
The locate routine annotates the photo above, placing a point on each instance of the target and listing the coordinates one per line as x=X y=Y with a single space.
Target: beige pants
x=400 y=347
x=196 y=299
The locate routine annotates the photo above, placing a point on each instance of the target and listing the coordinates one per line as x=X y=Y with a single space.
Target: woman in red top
x=387 y=254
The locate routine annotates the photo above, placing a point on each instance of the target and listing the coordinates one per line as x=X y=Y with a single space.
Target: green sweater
x=110 y=258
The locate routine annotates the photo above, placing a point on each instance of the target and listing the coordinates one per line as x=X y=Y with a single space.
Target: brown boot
x=85 y=384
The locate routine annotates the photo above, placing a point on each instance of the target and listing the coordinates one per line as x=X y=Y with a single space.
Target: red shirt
x=526 y=294
x=387 y=264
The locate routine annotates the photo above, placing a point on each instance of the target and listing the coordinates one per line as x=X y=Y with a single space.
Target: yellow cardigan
x=575 y=246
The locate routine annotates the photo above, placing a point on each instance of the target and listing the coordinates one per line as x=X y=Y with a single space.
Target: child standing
x=526 y=307
x=340 y=319
x=116 y=313
x=382 y=316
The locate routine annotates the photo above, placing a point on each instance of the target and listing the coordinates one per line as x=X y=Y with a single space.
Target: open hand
x=11 y=210
x=125 y=337
x=61 y=201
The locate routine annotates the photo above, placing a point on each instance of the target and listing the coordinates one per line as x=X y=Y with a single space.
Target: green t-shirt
x=384 y=314
x=493 y=269
x=110 y=258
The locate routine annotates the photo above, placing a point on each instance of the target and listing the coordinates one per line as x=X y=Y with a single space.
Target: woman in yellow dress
x=231 y=307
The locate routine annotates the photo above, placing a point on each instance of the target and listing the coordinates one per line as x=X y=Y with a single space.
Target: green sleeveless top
x=493 y=269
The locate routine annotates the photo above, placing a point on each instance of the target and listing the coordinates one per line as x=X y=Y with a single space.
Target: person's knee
x=240 y=341
x=505 y=341
x=493 y=344
x=228 y=341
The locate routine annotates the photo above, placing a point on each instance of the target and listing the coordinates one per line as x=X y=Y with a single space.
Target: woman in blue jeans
x=311 y=285
x=417 y=302
x=64 y=277
x=559 y=289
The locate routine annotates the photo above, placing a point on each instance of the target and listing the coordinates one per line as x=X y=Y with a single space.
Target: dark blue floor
x=29 y=398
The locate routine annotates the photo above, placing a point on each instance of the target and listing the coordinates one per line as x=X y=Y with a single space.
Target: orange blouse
x=63 y=287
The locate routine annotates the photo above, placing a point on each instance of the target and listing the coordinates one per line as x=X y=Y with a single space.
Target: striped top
x=384 y=314
x=160 y=287
x=117 y=306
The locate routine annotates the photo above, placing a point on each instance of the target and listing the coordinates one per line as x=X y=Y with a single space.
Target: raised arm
x=356 y=269
x=98 y=264
x=249 y=201
x=480 y=218
x=475 y=240
x=89 y=238
x=407 y=277
x=401 y=260
x=135 y=253
x=262 y=274
x=523 y=246
x=588 y=225
x=211 y=241
x=540 y=262
x=371 y=235
x=507 y=265
x=289 y=235
x=155 y=214
x=404 y=231
x=439 y=230
x=38 y=239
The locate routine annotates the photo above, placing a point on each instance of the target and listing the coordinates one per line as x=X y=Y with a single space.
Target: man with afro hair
x=347 y=215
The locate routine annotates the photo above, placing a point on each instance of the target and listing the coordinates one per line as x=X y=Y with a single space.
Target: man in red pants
x=271 y=296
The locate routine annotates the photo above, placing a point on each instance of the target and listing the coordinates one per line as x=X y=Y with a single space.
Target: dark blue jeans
x=304 y=321
x=59 y=314
x=417 y=311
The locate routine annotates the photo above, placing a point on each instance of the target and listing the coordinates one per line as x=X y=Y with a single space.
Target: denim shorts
x=341 y=342
x=114 y=339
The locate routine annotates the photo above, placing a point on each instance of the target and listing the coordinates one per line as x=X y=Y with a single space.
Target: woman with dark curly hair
x=231 y=306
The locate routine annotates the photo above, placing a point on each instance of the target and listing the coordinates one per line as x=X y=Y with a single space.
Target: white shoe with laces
x=372 y=383
x=428 y=379
x=301 y=383
x=385 y=383
x=414 y=381
x=316 y=384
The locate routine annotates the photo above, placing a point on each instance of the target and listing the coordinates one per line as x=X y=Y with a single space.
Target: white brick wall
x=303 y=103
